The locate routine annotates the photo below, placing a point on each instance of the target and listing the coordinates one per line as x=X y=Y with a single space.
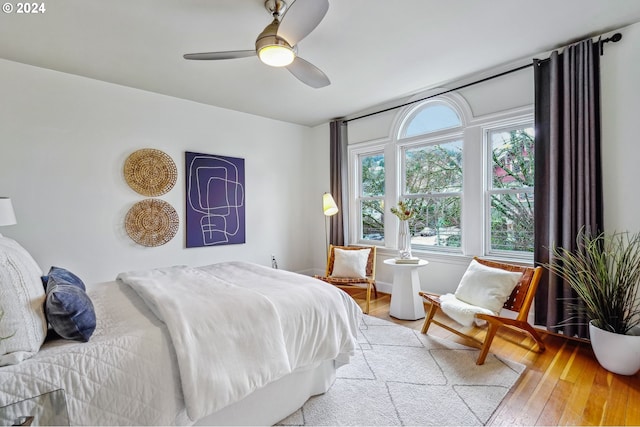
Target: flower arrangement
x=402 y=211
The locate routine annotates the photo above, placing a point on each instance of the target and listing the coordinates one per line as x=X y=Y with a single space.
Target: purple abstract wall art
x=215 y=208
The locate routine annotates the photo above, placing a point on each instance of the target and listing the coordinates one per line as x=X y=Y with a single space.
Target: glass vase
x=404 y=241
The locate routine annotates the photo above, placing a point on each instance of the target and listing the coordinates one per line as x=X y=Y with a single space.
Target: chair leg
x=534 y=335
x=429 y=318
x=491 y=333
x=366 y=311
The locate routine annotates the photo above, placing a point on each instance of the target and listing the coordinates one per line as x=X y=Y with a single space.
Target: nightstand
x=406 y=304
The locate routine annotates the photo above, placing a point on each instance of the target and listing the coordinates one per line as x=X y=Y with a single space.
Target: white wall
x=317 y=170
x=621 y=147
x=620 y=71
x=63 y=142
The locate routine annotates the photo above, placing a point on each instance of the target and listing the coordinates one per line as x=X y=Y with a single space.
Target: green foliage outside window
x=513 y=169
x=372 y=172
x=433 y=176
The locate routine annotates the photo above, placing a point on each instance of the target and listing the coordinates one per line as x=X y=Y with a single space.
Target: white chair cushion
x=22 y=301
x=486 y=287
x=460 y=311
x=350 y=262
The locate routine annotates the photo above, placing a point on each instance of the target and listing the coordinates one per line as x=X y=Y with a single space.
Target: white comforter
x=125 y=375
x=238 y=326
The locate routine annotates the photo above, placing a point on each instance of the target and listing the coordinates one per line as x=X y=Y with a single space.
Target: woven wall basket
x=150 y=172
x=151 y=222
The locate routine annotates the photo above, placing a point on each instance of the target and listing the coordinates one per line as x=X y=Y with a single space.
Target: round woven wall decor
x=150 y=172
x=151 y=222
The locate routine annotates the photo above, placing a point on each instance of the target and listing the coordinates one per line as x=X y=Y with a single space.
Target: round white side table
x=406 y=304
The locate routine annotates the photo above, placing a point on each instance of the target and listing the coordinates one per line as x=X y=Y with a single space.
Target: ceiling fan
x=276 y=45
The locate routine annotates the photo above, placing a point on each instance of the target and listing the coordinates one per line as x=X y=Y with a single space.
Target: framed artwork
x=215 y=208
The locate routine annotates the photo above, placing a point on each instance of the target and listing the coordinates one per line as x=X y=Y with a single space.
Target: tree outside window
x=511 y=189
x=372 y=179
x=433 y=190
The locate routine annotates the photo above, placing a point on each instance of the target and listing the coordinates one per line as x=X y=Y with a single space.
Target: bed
x=254 y=344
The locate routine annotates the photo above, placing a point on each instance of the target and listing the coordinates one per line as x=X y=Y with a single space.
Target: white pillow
x=22 y=300
x=350 y=262
x=486 y=287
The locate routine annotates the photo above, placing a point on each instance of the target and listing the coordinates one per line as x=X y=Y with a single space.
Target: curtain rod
x=614 y=38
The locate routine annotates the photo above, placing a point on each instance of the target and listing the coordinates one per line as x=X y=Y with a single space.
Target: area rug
x=402 y=377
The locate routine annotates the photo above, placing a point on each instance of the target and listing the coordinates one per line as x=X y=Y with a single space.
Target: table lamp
x=7 y=216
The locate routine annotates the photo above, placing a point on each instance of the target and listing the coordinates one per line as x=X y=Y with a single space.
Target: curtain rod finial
x=614 y=38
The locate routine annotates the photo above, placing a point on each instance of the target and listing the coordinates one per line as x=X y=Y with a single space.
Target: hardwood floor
x=565 y=385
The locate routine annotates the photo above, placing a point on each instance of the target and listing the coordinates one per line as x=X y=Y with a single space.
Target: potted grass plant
x=605 y=273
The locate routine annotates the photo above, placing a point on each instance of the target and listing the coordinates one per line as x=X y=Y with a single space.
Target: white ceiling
x=373 y=51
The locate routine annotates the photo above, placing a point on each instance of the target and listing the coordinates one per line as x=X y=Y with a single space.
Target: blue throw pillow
x=62 y=275
x=68 y=308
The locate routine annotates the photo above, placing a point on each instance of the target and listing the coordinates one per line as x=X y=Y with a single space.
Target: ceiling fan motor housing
x=269 y=38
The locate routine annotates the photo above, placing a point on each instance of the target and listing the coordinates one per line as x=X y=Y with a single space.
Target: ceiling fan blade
x=308 y=73
x=301 y=18
x=231 y=54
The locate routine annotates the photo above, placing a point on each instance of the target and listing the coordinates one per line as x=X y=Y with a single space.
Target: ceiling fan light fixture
x=276 y=54
x=274 y=50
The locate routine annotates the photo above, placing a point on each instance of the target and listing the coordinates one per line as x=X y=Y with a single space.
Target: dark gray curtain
x=338 y=172
x=568 y=174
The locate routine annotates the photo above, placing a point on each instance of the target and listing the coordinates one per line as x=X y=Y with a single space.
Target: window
x=371 y=197
x=431 y=163
x=433 y=190
x=468 y=179
x=510 y=189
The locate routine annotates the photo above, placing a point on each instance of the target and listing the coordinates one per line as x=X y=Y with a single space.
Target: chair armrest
x=432 y=298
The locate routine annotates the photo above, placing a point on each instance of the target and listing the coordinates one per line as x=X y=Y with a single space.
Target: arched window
x=430 y=117
x=430 y=144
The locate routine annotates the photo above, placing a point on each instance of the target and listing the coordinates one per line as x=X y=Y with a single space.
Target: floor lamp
x=329 y=208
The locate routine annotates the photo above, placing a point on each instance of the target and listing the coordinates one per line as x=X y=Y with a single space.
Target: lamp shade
x=329 y=206
x=7 y=216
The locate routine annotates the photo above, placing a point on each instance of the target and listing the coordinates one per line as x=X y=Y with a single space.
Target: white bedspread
x=238 y=326
x=125 y=375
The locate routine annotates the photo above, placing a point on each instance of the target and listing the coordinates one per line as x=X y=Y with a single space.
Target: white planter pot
x=616 y=353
